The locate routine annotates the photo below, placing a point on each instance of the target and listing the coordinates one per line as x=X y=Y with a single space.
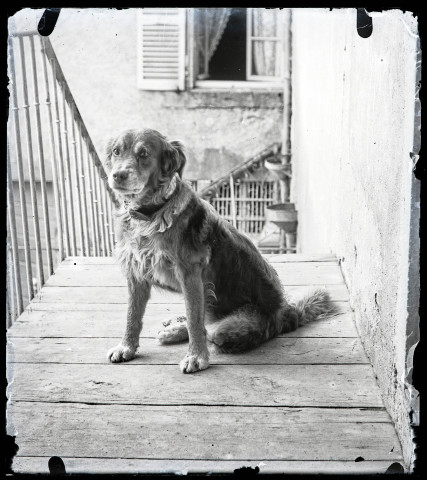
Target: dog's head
x=140 y=162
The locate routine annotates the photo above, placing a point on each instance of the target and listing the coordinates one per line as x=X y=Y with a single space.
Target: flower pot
x=283 y=215
x=280 y=170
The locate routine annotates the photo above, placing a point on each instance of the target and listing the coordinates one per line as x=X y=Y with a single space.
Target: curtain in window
x=210 y=25
x=265 y=52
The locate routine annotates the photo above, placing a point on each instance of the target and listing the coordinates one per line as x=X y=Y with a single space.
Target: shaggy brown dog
x=170 y=238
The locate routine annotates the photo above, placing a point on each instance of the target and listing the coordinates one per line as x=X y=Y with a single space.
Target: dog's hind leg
x=175 y=330
x=244 y=329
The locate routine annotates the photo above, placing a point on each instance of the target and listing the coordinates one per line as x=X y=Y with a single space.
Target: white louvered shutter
x=161 y=48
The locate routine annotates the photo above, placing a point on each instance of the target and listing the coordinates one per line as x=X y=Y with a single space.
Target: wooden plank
x=105 y=307
x=38 y=464
x=120 y=295
x=300 y=257
x=199 y=433
x=111 y=323
x=131 y=383
x=118 y=307
x=308 y=274
x=109 y=295
x=313 y=273
x=278 y=351
x=271 y=257
x=90 y=261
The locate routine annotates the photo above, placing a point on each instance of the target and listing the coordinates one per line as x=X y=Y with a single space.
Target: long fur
x=233 y=296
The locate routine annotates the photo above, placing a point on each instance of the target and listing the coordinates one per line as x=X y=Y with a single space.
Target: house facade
x=177 y=71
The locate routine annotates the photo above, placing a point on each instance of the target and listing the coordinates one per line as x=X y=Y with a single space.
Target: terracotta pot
x=283 y=215
x=279 y=170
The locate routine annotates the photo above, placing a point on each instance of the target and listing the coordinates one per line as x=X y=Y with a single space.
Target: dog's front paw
x=175 y=330
x=121 y=353
x=193 y=363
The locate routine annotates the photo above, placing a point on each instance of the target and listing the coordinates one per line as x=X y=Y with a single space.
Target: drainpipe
x=287 y=94
x=289 y=239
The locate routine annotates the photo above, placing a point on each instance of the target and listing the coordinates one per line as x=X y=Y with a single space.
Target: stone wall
x=352 y=141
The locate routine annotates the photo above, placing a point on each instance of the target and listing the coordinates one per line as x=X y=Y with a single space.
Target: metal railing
x=50 y=159
x=243 y=203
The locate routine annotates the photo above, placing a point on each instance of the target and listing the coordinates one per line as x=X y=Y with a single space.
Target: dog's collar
x=146 y=212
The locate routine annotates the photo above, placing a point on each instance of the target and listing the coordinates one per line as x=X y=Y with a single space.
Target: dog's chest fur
x=141 y=253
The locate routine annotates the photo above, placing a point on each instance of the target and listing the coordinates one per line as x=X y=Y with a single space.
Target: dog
x=170 y=238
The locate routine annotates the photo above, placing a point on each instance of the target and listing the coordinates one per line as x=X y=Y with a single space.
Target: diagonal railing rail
x=59 y=202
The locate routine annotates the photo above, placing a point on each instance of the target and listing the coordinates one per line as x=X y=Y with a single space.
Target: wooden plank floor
x=305 y=402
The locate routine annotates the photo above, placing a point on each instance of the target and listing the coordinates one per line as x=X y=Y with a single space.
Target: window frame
x=253 y=82
x=187 y=75
x=249 y=50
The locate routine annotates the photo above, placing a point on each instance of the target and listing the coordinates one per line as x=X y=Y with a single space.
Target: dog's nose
x=121 y=175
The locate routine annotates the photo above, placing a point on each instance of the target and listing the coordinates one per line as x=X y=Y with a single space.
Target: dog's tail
x=247 y=327
x=314 y=306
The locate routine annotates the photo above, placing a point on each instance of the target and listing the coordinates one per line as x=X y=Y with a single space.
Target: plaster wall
x=97 y=50
x=352 y=137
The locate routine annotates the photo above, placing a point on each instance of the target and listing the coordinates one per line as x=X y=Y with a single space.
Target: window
x=238 y=44
x=220 y=43
x=210 y=47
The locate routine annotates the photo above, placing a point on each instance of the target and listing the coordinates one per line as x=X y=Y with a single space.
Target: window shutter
x=161 y=48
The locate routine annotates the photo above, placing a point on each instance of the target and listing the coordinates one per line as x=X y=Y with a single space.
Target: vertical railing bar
x=82 y=177
x=110 y=224
x=243 y=202
x=68 y=174
x=21 y=183
x=33 y=192
x=13 y=235
x=233 y=202
x=56 y=194
x=92 y=205
x=111 y=220
x=103 y=210
x=96 y=206
x=106 y=201
x=100 y=211
x=61 y=165
x=10 y=294
x=77 y=182
x=105 y=216
x=41 y=159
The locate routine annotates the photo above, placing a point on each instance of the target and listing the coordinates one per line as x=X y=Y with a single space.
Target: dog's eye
x=116 y=151
x=143 y=153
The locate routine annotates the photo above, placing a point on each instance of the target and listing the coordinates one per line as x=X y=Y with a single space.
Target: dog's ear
x=173 y=158
x=108 y=153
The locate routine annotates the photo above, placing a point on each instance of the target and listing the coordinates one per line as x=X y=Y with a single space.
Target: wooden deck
x=304 y=402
